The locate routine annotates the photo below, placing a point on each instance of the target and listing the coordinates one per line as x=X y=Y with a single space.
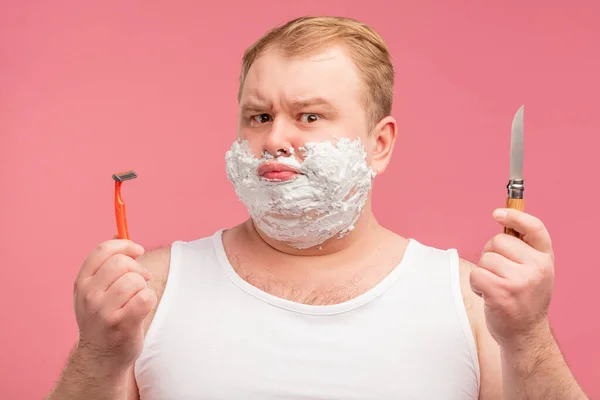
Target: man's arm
x=88 y=375
x=85 y=377
x=534 y=370
x=514 y=279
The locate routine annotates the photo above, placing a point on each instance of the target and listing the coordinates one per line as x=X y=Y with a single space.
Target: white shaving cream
x=324 y=200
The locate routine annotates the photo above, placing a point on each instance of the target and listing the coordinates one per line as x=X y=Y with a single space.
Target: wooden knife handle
x=517 y=204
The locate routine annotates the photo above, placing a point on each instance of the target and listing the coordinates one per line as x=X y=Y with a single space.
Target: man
x=312 y=298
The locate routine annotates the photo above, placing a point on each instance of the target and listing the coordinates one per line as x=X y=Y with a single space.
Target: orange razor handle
x=121 y=216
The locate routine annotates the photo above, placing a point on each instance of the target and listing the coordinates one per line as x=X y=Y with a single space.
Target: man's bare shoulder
x=465 y=268
x=157 y=262
x=473 y=303
x=487 y=349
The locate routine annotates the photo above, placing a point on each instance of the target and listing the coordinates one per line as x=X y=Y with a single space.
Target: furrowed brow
x=313 y=102
x=254 y=107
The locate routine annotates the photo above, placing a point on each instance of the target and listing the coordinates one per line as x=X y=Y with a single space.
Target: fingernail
x=500 y=213
x=147 y=274
x=139 y=248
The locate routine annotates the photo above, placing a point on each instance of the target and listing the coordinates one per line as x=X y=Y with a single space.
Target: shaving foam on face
x=325 y=199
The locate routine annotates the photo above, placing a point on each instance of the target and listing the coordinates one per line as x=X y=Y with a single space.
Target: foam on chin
x=325 y=200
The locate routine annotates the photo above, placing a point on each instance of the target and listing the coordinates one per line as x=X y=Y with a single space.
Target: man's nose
x=278 y=141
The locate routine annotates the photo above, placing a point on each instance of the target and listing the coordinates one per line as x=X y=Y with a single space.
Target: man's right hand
x=111 y=301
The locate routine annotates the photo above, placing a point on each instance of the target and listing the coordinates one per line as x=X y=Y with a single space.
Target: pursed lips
x=277 y=172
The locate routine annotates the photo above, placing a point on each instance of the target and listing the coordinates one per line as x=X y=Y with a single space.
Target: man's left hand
x=515 y=278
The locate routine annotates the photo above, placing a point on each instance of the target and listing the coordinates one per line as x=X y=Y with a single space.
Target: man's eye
x=309 y=118
x=262 y=118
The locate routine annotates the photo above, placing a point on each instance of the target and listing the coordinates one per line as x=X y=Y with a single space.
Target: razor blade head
x=124 y=176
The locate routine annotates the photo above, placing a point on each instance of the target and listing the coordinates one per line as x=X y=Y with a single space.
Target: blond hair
x=306 y=35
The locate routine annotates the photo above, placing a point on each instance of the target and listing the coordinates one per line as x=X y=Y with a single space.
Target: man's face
x=310 y=111
x=287 y=102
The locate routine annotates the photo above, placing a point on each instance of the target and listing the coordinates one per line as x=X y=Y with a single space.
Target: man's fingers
x=485 y=283
x=123 y=289
x=138 y=307
x=105 y=250
x=510 y=247
x=497 y=264
x=533 y=231
x=114 y=268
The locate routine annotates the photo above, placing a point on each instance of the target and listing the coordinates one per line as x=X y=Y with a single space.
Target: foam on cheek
x=325 y=200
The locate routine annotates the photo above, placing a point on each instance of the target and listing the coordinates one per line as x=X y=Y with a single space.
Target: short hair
x=307 y=35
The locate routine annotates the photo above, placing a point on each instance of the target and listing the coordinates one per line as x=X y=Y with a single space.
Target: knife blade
x=516 y=146
x=516 y=185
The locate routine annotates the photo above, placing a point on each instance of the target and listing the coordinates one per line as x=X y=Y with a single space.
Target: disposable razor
x=516 y=184
x=119 y=178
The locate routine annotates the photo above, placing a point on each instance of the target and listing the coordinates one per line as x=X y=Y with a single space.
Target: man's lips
x=277 y=172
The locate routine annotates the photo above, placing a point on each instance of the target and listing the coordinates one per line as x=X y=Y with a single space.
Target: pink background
x=91 y=88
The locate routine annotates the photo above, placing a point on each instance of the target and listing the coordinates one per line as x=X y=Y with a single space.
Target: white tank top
x=215 y=336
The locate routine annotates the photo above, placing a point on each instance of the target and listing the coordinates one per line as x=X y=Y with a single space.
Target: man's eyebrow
x=252 y=106
x=259 y=106
x=315 y=101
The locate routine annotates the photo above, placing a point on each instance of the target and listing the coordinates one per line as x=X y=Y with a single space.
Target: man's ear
x=383 y=139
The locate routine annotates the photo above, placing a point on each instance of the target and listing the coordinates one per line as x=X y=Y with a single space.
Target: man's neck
x=342 y=269
x=364 y=228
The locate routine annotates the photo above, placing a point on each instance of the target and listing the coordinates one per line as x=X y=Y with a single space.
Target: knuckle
x=147 y=297
x=497 y=240
x=543 y=265
x=537 y=276
x=137 y=280
x=548 y=263
x=121 y=286
x=130 y=281
x=472 y=278
x=122 y=263
x=526 y=284
x=101 y=248
x=501 y=238
x=121 y=259
x=91 y=299
x=486 y=258
x=474 y=275
x=540 y=226
x=541 y=273
x=520 y=285
x=503 y=289
x=111 y=320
